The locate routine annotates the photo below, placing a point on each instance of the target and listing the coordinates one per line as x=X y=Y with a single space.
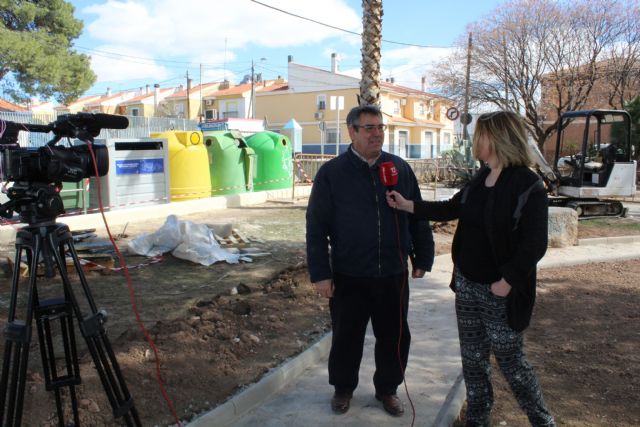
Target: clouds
x=158 y=40
x=204 y=31
x=130 y=64
x=407 y=65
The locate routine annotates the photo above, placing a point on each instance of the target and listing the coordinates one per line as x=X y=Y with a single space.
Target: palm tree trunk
x=371 y=43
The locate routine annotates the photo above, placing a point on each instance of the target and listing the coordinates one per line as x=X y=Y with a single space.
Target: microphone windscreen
x=110 y=121
x=388 y=174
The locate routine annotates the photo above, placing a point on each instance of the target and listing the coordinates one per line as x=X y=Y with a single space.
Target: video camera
x=52 y=163
x=34 y=170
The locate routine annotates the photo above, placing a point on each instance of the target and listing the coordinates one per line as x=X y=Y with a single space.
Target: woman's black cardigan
x=516 y=221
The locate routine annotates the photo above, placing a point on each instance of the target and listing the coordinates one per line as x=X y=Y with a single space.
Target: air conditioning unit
x=403 y=102
x=322 y=105
x=208 y=102
x=318 y=115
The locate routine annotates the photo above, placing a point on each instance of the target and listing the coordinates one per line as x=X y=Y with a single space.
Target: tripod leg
x=46 y=313
x=18 y=335
x=92 y=328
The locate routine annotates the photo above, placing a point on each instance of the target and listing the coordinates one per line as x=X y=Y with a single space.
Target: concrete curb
x=608 y=240
x=228 y=412
x=452 y=405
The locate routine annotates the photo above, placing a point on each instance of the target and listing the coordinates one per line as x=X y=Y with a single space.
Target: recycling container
x=137 y=174
x=73 y=195
x=274 y=163
x=231 y=162
x=188 y=165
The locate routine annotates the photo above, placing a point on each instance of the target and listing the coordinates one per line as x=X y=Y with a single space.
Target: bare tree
x=371 y=43
x=530 y=52
x=621 y=69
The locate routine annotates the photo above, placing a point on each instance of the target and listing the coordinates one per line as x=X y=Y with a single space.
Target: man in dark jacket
x=357 y=250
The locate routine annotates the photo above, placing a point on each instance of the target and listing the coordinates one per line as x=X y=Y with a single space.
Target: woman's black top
x=476 y=261
x=515 y=222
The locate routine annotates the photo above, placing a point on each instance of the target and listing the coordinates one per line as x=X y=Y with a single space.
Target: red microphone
x=388 y=174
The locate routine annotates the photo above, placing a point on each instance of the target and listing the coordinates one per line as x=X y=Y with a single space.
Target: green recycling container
x=274 y=165
x=72 y=194
x=231 y=162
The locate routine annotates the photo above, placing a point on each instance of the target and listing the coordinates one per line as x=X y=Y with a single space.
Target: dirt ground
x=222 y=327
x=583 y=343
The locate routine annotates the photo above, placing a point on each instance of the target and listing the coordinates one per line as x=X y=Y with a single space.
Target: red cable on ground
x=405 y=280
x=132 y=296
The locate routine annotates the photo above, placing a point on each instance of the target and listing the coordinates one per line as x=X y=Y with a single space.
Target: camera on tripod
x=38 y=173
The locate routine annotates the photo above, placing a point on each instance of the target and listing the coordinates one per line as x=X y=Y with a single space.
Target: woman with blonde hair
x=501 y=235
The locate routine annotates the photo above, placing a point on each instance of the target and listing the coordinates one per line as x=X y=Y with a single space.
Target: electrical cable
x=405 y=282
x=336 y=28
x=132 y=295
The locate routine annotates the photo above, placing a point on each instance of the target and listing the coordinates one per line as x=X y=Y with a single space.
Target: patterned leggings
x=482 y=327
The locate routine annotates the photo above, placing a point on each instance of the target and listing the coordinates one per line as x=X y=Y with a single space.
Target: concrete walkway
x=298 y=394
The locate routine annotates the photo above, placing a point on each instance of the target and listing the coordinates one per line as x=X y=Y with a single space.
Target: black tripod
x=49 y=242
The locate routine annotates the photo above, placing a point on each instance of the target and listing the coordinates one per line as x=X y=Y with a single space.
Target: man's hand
x=325 y=288
x=417 y=273
x=501 y=288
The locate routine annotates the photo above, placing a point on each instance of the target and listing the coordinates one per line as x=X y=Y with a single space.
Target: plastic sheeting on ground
x=185 y=240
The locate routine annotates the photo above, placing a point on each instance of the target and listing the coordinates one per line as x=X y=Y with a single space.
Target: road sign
x=452 y=113
x=465 y=119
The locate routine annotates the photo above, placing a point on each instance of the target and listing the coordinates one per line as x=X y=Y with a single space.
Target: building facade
x=319 y=101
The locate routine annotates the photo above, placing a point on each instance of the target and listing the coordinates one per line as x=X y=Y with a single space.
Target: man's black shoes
x=391 y=403
x=340 y=402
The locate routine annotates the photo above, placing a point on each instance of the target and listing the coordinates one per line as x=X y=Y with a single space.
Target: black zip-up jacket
x=516 y=220
x=348 y=211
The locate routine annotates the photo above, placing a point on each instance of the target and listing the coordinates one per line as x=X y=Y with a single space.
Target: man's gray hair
x=353 y=118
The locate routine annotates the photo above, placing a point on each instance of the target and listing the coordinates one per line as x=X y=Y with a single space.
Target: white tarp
x=185 y=240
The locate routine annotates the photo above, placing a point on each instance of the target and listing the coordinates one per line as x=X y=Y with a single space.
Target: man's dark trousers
x=354 y=302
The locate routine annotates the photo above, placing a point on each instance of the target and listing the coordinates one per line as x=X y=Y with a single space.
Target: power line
x=324 y=24
x=114 y=55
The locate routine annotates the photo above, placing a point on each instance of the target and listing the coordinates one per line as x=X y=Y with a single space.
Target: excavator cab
x=593 y=160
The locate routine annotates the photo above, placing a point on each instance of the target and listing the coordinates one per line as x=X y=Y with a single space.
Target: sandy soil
x=220 y=328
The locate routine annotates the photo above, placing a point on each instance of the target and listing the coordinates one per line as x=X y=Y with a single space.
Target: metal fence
x=426 y=170
x=306 y=165
x=139 y=127
x=430 y=170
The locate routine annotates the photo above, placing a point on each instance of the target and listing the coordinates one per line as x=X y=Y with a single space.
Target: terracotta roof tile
x=104 y=98
x=274 y=87
x=84 y=100
x=234 y=90
x=9 y=106
x=394 y=119
x=403 y=89
x=207 y=88
x=137 y=99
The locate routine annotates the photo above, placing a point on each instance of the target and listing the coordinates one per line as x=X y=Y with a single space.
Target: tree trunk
x=371 y=43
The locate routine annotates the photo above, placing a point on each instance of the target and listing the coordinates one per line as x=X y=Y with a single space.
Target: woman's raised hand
x=396 y=201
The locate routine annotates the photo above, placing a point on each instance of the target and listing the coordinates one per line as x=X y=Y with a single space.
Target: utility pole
x=253 y=92
x=188 y=96
x=201 y=106
x=465 y=116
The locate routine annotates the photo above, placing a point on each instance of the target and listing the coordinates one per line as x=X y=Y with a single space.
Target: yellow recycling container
x=188 y=165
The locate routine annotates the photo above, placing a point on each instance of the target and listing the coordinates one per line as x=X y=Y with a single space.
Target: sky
x=133 y=43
